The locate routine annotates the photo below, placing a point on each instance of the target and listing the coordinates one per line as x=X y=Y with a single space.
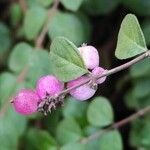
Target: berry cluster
x=46 y=95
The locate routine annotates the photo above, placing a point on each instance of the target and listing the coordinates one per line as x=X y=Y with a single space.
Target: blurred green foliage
x=20 y=58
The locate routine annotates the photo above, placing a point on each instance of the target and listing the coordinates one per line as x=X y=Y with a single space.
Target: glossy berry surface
x=26 y=102
x=83 y=92
x=48 y=85
x=90 y=56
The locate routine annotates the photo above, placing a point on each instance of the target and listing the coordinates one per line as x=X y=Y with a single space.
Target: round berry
x=90 y=56
x=48 y=85
x=83 y=92
x=97 y=71
x=26 y=102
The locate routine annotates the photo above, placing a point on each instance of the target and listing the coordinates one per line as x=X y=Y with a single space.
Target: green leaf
x=93 y=144
x=7 y=85
x=68 y=131
x=12 y=126
x=141 y=88
x=15 y=13
x=72 y=5
x=45 y=3
x=75 y=109
x=102 y=111
x=20 y=57
x=111 y=141
x=40 y=140
x=5 y=40
x=68 y=25
x=139 y=136
x=131 y=40
x=73 y=146
x=66 y=61
x=141 y=69
x=34 y=21
x=138 y=6
x=39 y=65
x=130 y=100
x=146 y=31
x=97 y=7
x=36 y=60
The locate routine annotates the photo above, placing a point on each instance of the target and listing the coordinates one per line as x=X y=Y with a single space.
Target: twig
x=116 y=125
x=40 y=39
x=109 y=72
x=19 y=79
x=23 y=5
x=51 y=102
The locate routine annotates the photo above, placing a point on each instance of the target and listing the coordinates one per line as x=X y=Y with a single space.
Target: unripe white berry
x=90 y=56
x=83 y=92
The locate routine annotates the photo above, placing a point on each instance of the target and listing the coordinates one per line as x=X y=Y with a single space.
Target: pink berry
x=90 y=56
x=26 y=102
x=83 y=92
x=48 y=85
x=97 y=71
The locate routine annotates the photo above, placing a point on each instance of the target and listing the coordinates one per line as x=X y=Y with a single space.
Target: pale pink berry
x=26 y=102
x=48 y=85
x=83 y=92
x=90 y=56
x=97 y=71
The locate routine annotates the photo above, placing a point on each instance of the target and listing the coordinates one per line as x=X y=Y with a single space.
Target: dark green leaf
x=97 y=7
x=146 y=31
x=139 y=136
x=141 y=69
x=15 y=14
x=5 y=40
x=141 y=88
x=131 y=40
x=138 y=6
x=66 y=61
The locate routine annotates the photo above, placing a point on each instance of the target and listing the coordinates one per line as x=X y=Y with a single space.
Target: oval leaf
x=100 y=112
x=33 y=22
x=111 y=141
x=68 y=131
x=72 y=5
x=131 y=41
x=66 y=61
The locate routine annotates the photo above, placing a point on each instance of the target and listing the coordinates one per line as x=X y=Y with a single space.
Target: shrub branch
x=116 y=125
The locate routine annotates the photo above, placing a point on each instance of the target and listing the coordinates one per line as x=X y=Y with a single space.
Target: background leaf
x=68 y=131
x=99 y=112
x=60 y=26
x=33 y=22
x=131 y=40
x=12 y=126
x=5 y=40
x=97 y=7
x=111 y=140
x=72 y=5
x=73 y=146
x=39 y=140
